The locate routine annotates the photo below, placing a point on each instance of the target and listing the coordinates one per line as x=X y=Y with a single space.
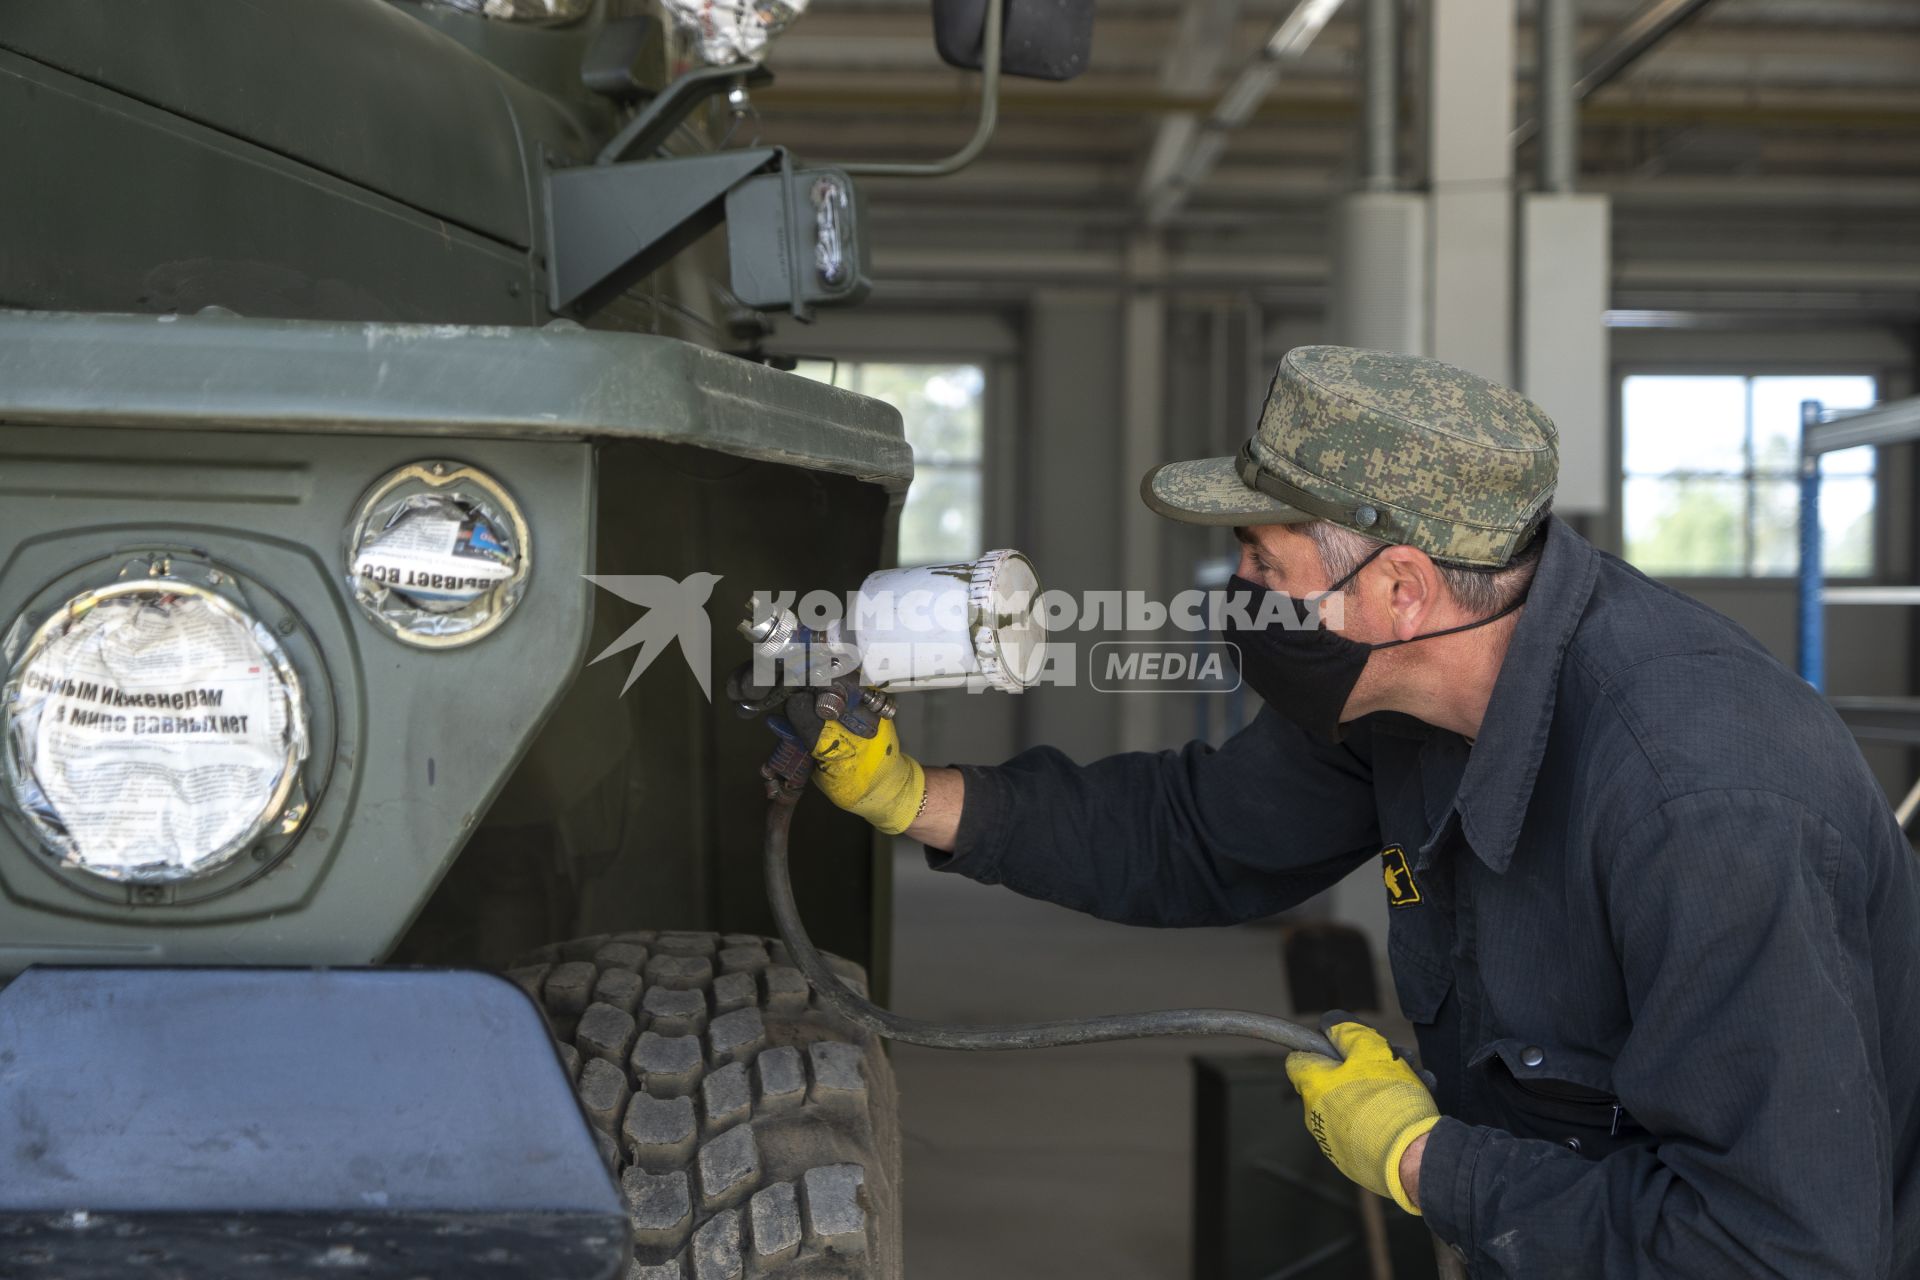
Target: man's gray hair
x=1479 y=592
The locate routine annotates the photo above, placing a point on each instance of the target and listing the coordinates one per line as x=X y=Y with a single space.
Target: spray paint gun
x=943 y=626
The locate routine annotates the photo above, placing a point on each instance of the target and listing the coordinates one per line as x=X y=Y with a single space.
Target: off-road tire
x=752 y=1133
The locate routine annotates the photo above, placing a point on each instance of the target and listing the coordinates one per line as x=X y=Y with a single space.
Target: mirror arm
x=983 y=131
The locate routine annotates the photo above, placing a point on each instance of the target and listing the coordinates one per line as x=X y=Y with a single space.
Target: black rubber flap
x=239 y=1122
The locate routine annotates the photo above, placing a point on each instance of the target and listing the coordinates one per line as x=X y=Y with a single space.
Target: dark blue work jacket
x=1657 y=929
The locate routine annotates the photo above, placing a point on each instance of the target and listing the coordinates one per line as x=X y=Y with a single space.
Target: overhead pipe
x=1557 y=27
x=1381 y=97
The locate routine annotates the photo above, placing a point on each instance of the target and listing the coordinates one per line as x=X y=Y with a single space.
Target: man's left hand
x=1365 y=1111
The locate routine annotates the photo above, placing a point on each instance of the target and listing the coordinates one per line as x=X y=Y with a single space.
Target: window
x=942 y=407
x=1712 y=469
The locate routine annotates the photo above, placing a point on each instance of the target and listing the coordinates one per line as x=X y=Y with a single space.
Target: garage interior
x=1734 y=200
x=316 y=319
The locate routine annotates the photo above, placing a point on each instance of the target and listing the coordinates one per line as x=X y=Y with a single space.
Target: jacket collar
x=1498 y=782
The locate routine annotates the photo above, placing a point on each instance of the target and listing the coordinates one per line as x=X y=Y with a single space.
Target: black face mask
x=1307 y=672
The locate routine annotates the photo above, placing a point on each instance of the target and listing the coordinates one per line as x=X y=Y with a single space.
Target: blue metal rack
x=1822 y=431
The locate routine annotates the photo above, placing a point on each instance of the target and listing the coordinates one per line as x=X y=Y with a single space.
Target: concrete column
x=1072 y=489
x=1557 y=26
x=1565 y=277
x=1470 y=164
x=1380 y=297
x=1380 y=97
x=1378 y=237
x=1565 y=280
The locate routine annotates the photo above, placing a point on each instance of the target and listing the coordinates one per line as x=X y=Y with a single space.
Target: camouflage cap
x=1401 y=448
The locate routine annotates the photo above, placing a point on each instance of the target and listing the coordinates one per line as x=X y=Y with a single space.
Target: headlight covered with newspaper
x=154 y=731
x=438 y=554
x=724 y=32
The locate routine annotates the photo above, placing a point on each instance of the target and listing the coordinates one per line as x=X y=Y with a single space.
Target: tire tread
x=715 y=1084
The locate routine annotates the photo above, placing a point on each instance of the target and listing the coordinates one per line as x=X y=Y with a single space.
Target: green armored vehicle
x=344 y=346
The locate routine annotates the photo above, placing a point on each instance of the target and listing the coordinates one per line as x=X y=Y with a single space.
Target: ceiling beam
x=1200 y=47
x=1109 y=266
x=1634 y=40
x=1236 y=106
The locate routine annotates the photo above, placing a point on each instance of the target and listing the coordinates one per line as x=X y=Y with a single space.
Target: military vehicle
x=343 y=346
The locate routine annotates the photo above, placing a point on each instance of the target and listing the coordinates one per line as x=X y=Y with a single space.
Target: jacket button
x=1531 y=1056
x=1573 y=1145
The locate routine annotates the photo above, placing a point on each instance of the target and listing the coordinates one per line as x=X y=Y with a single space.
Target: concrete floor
x=1067 y=1162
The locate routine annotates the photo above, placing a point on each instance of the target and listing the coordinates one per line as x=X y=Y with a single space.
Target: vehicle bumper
x=339 y=1122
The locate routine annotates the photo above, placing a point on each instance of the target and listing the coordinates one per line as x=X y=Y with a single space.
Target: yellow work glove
x=872 y=777
x=1366 y=1111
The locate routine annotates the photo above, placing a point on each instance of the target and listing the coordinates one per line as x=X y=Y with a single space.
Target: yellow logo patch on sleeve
x=1401 y=890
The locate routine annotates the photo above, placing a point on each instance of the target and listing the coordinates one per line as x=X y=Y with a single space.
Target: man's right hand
x=872 y=777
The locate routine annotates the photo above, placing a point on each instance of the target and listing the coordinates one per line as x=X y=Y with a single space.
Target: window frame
x=999 y=401
x=976 y=464
x=1617 y=510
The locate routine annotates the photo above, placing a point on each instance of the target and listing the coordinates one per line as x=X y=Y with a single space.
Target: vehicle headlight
x=438 y=554
x=154 y=730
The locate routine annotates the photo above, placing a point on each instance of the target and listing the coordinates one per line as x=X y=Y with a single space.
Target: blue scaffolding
x=1824 y=431
x=1894 y=721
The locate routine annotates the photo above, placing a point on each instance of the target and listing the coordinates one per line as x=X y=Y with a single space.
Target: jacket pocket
x=1421 y=983
x=1562 y=1095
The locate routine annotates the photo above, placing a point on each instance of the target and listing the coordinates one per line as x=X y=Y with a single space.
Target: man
x=1656 y=929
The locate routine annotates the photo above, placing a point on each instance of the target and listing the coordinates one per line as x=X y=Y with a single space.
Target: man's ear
x=1414 y=590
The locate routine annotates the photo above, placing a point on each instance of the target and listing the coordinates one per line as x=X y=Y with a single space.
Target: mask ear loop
x=1349 y=576
x=1511 y=605
x=1318 y=598
x=1352 y=573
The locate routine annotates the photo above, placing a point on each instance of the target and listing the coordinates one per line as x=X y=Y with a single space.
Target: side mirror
x=1045 y=39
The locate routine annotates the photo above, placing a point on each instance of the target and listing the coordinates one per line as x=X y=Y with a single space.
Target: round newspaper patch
x=438 y=554
x=154 y=730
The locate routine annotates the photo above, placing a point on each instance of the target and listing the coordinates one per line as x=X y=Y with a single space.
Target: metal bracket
x=609 y=225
